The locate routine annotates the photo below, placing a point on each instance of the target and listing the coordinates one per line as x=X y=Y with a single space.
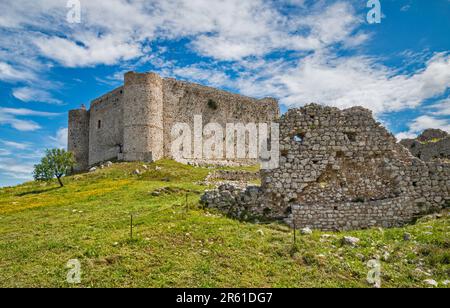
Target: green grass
x=42 y=227
x=434 y=140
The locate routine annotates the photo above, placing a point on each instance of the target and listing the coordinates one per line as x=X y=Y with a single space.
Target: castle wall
x=78 y=138
x=134 y=122
x=143 y=117
x=339 y=170
x=106 y=127
x=343 y=170
x=183 y=100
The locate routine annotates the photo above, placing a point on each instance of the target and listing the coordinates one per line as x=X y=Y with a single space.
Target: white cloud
x=243 y=32
x=28 y=94
x=21 y=125
x=105 y=50
x=11 y=166
x=11 y=74
x=348 y=81
x=405 y=8
x=252 y=28
x=336 y=81
x=426 y=121
x=406 y=135
x=8 y=116
x=60 y=139
x=422 y=123
x=16 y=145
x=116 y=30
x=205 y=76
x=441 y=108
x=5 y=152
x=27 y=112
x=17 y=176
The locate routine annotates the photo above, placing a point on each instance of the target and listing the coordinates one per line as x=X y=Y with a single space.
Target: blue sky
x=298 y=51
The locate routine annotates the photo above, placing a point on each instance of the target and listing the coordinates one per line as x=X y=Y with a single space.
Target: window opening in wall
x=340 y=154
x=351 y=136
x=99 y=124
x=212 y=104
x=299 y=138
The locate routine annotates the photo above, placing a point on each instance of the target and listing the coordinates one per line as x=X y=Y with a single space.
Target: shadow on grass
x=37 y=192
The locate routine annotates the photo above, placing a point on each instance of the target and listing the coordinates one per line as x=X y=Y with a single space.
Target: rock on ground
x=306 y=231
x=431 y=282
x=352 y=241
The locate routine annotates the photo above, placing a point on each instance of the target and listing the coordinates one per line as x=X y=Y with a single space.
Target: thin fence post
x=295 y=233
x=131 y=227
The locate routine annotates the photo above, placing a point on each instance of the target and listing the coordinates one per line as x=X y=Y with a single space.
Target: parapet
x=141 y=78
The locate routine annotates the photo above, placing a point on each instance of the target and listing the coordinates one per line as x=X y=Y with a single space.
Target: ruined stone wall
x=236 y=202
x=106 y=127
x=387 y=213
x=233 y=175
x=341 y=170
x=429 y=184
x=183 y=100
x=430 y=145
x=78 y=138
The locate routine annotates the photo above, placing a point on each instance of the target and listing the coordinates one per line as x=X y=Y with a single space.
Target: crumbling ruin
x=432 y=144
x=339 y=170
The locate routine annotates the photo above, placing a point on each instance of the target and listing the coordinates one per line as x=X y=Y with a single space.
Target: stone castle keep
x=134 y=122
x=338 y=169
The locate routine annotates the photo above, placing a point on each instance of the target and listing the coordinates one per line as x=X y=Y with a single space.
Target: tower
x=78 y=142
x=143 y=117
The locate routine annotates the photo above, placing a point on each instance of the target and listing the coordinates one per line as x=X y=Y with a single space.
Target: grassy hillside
x=174 y=245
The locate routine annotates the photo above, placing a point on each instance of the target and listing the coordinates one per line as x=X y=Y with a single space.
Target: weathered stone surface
x=306 y=231
x=341 y=170
x=134 y=122
x=228 y=175
x=235 y=201
x=431 y=145
x=407 y=237
x=352 y=241
x=431 y=282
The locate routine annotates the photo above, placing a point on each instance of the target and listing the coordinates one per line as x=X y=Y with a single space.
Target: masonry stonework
x=183 y=100
x=106 y=127
x=143 y=117
x=78 y=135
x=340 y=170
x=134 y=122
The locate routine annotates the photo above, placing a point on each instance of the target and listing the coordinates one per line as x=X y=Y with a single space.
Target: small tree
x=56 y=164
